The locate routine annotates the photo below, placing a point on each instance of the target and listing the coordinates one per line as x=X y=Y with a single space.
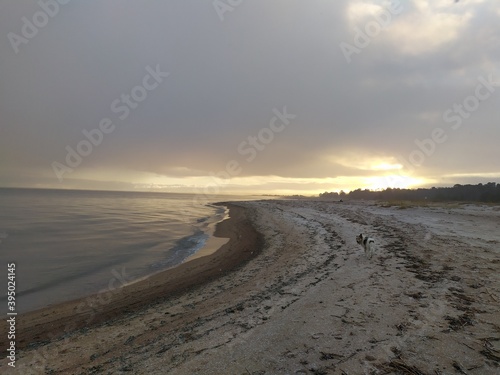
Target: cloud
x=353 y=120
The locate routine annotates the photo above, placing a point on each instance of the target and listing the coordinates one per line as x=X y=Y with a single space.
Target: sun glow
x=385 y=167
x=388 y=176
x=368 y=163
x=392 y=181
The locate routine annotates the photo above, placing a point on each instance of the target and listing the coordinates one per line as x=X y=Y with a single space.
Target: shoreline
x=310 y=301
x=55 y=321
x=213 y=243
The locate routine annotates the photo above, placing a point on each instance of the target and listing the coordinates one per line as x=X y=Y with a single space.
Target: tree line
x=487 y=193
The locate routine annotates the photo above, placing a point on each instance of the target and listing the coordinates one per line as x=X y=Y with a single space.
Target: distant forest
x=487 y=193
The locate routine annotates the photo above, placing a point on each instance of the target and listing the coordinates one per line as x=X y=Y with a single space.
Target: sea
x=67 y=244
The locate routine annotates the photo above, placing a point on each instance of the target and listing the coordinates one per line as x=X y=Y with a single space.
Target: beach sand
x=292 y=293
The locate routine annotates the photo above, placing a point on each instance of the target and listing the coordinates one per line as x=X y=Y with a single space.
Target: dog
x=368 y=244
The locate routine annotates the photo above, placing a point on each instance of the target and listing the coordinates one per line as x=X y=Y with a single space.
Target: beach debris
x=401 y=366
x=491 y=295
x=416 y=295
x=127 y=368
x=95 y=369
x=327 y=356
x=164 y=349
x=459 y=322
x=129 y=340
x=319 y=371
x=489 y=350
x=261 y=372
x=459 y=367
x=402 y=327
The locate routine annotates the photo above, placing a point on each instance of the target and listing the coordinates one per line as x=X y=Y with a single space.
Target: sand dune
x=309 y=302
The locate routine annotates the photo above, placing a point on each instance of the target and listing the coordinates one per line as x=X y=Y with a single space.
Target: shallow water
x=67 y=244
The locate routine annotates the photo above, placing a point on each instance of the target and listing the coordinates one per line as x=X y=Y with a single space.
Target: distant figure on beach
x=341 y=200
x=368 y=244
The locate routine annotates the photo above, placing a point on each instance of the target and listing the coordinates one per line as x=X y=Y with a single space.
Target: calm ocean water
x=68 y=244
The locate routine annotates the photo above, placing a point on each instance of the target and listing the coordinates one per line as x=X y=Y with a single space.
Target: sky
x=239 y=96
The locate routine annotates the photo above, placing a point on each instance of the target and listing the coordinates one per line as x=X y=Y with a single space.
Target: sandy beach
x=292 y=293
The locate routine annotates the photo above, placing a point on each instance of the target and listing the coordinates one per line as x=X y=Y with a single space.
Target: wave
x=183 y=249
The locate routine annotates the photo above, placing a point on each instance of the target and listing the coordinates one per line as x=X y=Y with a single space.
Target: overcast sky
x=338 y=94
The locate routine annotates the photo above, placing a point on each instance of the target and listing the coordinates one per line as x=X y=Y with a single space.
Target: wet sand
x=304 y=299
x=53 y=322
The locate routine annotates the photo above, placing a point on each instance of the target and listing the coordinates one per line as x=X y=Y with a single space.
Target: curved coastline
x=52 y=322
x=311 y=300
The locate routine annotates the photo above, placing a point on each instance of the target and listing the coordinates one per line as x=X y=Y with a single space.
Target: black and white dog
x=368 y=244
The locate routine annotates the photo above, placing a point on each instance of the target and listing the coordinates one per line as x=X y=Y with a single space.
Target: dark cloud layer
x=226 y=77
